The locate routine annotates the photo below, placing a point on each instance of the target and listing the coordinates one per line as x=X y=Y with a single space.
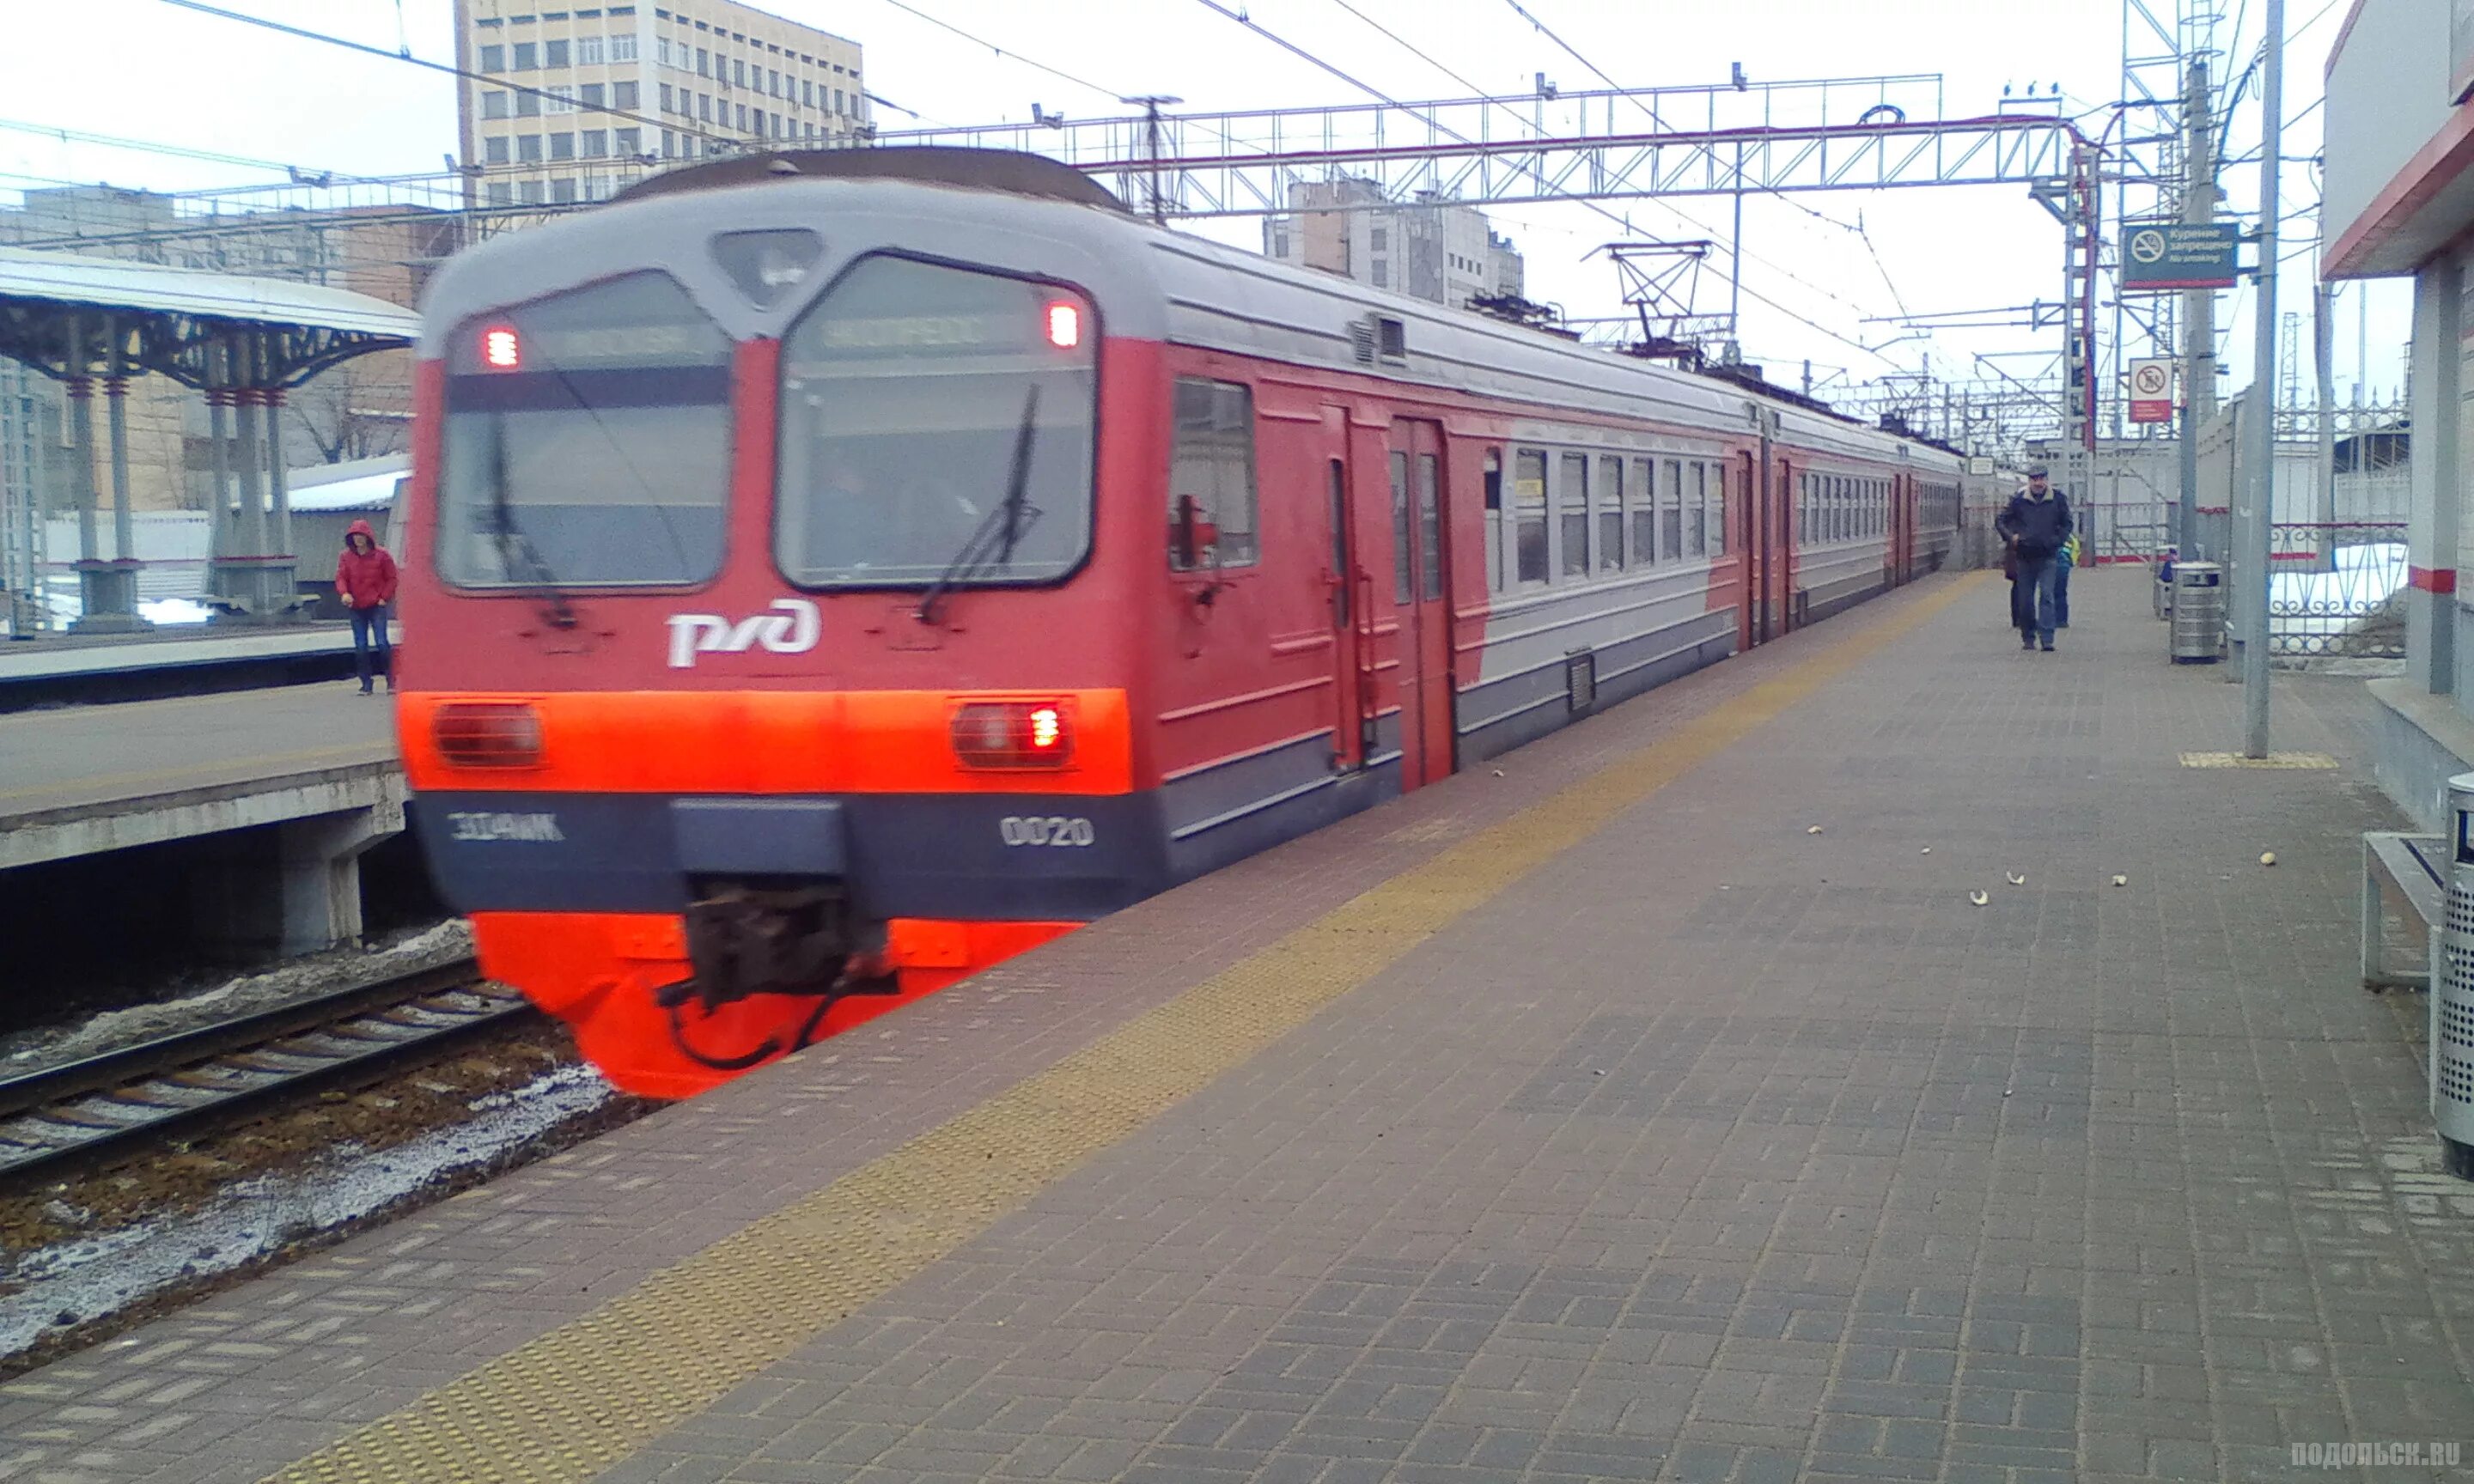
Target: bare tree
x=359 y=410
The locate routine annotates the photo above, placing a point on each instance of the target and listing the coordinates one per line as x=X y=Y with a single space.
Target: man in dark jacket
x=365 y=580
x=2036 y=524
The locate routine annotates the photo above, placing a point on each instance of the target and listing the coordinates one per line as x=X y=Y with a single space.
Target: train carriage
x=839 y=572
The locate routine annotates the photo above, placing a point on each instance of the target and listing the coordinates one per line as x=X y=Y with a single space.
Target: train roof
x=1023 y=213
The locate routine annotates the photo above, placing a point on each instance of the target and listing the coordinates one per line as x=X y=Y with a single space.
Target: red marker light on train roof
x=500 y=351
x=1065 y=324
x=1012 y=734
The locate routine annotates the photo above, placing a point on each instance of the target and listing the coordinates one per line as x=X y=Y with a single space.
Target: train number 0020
x=1056 y=830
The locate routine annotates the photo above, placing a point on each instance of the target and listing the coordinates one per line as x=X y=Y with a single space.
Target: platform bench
x=2415 y=866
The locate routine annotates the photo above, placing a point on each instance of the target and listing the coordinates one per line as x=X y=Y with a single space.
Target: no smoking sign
x=2151 y=391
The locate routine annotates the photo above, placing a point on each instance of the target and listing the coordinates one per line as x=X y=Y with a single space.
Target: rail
x=99 y=1106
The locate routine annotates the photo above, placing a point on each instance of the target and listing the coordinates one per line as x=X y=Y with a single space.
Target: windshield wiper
x=512 y=540
x=1001 y=530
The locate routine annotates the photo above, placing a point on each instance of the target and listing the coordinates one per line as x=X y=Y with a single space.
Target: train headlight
x=487 y=734
x=1013 y=735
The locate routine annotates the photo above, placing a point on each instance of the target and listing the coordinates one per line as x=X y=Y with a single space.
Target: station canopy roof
x=68 y=315
x=74 y=281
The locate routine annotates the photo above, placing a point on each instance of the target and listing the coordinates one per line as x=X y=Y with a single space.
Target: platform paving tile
x=1721 y=1150
x=1713 y=1149
x=433 y=1294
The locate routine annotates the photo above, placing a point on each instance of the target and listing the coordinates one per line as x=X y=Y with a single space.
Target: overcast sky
x=147 y=70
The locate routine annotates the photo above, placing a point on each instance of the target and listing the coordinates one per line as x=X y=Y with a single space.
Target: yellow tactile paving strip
x=588 y=1394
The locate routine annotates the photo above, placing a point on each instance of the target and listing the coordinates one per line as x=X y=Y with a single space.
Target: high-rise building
x=575 y=103
x=1430 y=248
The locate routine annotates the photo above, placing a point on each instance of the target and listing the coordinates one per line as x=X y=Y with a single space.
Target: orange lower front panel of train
x=602 y=974
x=758 y=741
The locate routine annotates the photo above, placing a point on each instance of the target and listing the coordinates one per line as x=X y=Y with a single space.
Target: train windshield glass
x=587 y=441
x=937 y=425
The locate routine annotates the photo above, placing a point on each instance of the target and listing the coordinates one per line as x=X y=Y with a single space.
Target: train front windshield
x=936 y=423
x=587 y=441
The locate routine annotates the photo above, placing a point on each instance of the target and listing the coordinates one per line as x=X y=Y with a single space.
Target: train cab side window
x=1214 y=463
x=1609 y=513
x=1494 y=520
x=1399 y=528
x=1430 y=526
x=1641 y=514
x=1529 y=515
x=1572 y=512
x=1341 y=583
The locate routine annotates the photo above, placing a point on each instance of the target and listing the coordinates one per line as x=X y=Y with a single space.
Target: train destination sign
x=2161 y=255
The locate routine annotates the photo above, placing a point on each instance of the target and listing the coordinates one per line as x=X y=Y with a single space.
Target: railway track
x=101 y=1106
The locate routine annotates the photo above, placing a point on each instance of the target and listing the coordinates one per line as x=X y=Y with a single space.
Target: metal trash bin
x=2162 y=596
x=2452 y=995
x=2199 y=624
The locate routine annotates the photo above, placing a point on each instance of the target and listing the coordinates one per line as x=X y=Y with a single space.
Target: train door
x=1787 y=533
x=1902 y=527
x=1756 y=538
x=1353 y=719
x=1419 y=562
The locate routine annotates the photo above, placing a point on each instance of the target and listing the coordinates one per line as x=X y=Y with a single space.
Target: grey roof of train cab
x=1148 y=284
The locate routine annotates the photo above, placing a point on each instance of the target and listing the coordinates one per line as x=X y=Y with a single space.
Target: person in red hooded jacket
x=365 y=580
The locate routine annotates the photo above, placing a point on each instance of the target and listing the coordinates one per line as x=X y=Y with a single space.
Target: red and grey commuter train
x=833 y=573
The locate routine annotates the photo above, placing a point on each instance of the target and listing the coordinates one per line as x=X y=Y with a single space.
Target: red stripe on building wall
x=2443 y=579
x=2434 y=167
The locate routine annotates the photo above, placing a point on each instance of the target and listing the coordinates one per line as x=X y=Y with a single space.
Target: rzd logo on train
x=792 y=627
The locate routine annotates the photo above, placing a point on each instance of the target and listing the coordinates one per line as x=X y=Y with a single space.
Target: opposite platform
x=83 y=780
x=1583 y=1118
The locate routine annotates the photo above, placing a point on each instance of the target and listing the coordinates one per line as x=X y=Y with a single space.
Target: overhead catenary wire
x=303 y=32
x=1549 y=32
x=1302 y=53
x=153 y=147
x=1110 y=93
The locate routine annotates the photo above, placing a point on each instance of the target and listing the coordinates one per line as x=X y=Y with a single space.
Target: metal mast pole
x=2260 y=418
x=2323 y=351
x=2198 y=305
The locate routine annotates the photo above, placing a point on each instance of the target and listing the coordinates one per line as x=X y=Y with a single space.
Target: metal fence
x=2336 y=588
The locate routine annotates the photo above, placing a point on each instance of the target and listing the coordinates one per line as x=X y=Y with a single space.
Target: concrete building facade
x=2399 y=203
x=1428 y=248
x=577 y=102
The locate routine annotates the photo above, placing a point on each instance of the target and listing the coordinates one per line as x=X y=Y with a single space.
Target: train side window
x=1213 y=463
x=1529 y=514
x=1718 y=483
x=1430 y=526
x=1399 y=528
x=1642 y=513
x=1696 y=505
x=1494 y=520
x=1670 y=514
x=1610 y=515
x=1572 y=512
